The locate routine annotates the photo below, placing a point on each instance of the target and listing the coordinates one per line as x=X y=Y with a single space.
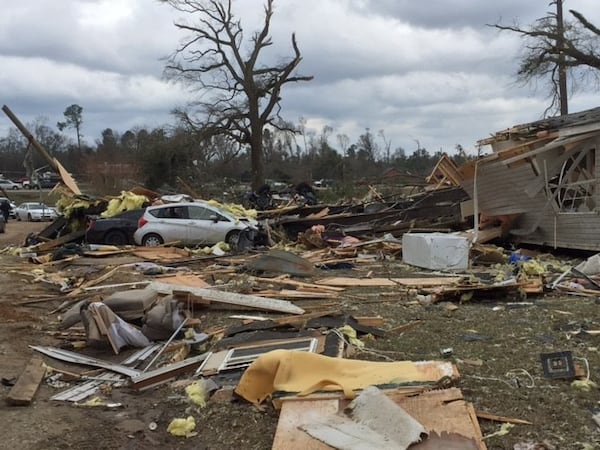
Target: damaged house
x=541 y=181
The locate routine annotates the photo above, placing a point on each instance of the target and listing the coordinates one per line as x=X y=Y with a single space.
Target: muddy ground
x=495 y=344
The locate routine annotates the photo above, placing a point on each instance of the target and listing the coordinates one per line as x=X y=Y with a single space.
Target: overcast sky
x=429 y=71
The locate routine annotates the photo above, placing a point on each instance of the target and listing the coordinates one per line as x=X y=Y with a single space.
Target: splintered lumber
x=51 y=245
x=22 y=393
x=93 y=282
x=300 y=319
x=231 y=298
x=402 y=328
x=287 y=293
x=503 y=419
x=357 y=282
x=53 y=162
x=299 y=284
x=383 y=282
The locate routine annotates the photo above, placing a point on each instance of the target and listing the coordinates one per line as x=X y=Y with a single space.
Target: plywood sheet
x=295 y=412
x=443 y=412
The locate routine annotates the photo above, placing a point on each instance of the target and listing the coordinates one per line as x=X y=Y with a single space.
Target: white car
x=191 y=223
x=35 y=211
x=9 y=185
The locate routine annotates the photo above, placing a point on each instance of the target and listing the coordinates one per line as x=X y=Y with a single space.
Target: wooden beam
x=231 y=298
x=27 y=385
x=51 y=245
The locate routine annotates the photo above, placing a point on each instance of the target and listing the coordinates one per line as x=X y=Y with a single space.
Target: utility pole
x=562 y=70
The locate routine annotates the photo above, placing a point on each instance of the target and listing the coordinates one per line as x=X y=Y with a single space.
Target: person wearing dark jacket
x=5 y=209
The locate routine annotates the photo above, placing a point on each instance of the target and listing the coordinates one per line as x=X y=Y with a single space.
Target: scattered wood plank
x=402 y=328
x=161 y=253
x=287 y=293
x=298 y=320
x=383 y=282
x=232 y=298
x=93 y=282
x=503 y=419
x=54 y=243
x=482 y=236
x=357 y=282
x=370 y=321
x=22 y=393
x=286 y=281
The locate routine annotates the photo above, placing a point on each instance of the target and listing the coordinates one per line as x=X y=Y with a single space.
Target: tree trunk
x=256 y=143
x=257 y=159
x=562 y=70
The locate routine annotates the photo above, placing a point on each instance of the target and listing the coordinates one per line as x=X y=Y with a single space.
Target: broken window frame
x=249 y=354
x=575 y=185
x=230 y=361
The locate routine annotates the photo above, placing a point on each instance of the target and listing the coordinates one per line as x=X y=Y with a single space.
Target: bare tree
x=554 y=46
x=237 y=95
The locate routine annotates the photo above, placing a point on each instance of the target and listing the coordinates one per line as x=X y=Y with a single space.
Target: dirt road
x=16 y=232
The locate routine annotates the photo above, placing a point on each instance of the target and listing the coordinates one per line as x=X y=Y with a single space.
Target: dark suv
x=47 y=183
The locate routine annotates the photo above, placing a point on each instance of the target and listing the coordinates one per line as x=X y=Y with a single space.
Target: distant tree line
x=161 y=157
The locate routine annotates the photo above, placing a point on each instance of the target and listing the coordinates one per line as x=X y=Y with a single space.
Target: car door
x=206 y=225
x=199 y=224
x=171 y=223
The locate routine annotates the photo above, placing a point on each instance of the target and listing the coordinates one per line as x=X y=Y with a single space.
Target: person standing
x=5 y=209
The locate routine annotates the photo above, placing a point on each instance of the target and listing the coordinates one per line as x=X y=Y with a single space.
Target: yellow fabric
x=302 y=372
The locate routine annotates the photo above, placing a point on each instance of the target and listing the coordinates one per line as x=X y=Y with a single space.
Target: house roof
x=538 y=128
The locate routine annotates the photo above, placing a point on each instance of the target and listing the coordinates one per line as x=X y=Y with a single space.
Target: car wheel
x=115 y=237
x=29 y=218
x=18 y=218
x=233 y=239
x=14 y=188
x=152 y=240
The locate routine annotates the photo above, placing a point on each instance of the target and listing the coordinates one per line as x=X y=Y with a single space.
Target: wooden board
x=383 y=282
x=184 y=280
x=22 y=393
x=357 y=282
x=230 y=298
x=66 y=177
x=161 y=253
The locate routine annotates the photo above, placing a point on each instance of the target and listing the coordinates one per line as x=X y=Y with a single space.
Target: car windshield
x=37 y=206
